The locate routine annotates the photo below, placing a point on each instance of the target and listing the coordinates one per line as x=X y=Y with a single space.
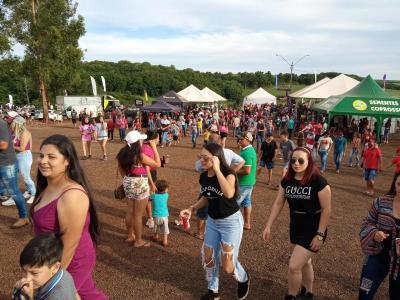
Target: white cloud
x=243 y=35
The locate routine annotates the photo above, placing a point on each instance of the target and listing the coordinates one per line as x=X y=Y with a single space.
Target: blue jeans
x=122 y=133
x=164 y=137
x=9 y=182
x=337 y=159
x=24 y=165
x=354 y=153
x=237 y=132
x=244 y=198
x=194 y=137
x=323 y=154
x=260 y=139
x=226 y=231
x=374 y=271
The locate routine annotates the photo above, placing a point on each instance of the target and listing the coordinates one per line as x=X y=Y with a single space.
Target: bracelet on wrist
x=321 y=234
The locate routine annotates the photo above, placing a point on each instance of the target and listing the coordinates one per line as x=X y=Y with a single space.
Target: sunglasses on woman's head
x=300 y=160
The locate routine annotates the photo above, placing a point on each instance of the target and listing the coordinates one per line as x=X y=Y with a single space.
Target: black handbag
x=119 y=192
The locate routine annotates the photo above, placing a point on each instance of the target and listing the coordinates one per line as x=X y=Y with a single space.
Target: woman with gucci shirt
x=309 y=198
x=224 y=227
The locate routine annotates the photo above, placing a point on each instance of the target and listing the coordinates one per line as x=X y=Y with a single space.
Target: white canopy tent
x=336 y=86
x=193 y=94
x=310 y=87
x=211 y=95
x=259 y=97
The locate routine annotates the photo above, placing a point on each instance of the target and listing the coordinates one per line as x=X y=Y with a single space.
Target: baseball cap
x=268 y=134
x=12 y=114
x=247 y=135
x=134 y=136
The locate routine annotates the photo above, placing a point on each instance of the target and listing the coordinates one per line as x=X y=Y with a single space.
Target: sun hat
x=248 y=136
x=134 y=136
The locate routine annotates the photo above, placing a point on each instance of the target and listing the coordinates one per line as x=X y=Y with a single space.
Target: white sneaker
x=9 y=202
x=27 y=195
x=4 y=198
x=150 y=223
x=30 y=200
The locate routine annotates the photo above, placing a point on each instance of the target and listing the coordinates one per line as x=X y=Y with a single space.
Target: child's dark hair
x=42 y=250
x=161 y=185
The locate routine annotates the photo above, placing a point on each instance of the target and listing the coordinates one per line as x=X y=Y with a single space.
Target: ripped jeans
x=374 y=271
x=228 y=232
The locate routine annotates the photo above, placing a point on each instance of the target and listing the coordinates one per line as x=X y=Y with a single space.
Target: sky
x=348 y=36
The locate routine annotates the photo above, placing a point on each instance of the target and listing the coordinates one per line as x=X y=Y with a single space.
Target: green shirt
x=250 y=159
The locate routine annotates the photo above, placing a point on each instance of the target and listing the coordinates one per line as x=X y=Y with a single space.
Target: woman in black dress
x=309 y=198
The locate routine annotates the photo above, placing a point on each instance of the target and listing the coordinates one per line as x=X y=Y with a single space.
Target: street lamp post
x=291 y=65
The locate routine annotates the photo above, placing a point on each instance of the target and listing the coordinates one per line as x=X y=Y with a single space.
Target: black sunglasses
x=300 y=160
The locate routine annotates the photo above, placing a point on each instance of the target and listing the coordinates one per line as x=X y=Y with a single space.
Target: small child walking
x=45 y=278
x=160 y=211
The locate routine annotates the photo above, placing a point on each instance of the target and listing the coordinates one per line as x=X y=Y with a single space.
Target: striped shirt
x=380 y=218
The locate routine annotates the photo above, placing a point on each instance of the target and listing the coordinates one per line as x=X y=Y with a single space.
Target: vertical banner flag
x=146 y=98
x=315 y=76
x=11 y=100
x=104 y=83
x=94 y=87
x=276 y=81
x=384 y=81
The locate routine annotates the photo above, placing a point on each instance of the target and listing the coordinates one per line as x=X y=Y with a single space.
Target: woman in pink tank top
x=64 y=204
x=134 y=165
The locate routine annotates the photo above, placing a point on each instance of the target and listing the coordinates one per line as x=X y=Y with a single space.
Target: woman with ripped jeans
x=224 y=227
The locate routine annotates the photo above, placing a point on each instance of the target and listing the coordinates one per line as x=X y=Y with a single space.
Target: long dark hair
x=129 y=156
x=218 y=151
x=392 y=191
x=74 y=172
x=309 y=173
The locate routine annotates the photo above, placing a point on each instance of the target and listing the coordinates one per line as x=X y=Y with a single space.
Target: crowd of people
x=66 y=225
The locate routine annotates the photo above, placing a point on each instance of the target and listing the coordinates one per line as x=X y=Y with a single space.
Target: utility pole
x=291 y=65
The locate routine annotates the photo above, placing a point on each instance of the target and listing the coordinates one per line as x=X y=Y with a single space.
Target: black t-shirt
x=219 y=206
x=268 y=150
x=260 y=128
x=304 y=198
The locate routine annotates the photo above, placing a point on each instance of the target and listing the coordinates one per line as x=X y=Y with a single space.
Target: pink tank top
x=45 y=220
x=17 y=142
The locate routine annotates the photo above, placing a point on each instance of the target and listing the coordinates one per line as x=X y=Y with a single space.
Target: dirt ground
x=175 y=272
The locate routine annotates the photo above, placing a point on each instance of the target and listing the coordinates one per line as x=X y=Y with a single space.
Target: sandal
x=199 y=236
x=144 y=245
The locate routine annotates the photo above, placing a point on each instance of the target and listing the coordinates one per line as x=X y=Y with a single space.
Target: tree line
x=128 y=81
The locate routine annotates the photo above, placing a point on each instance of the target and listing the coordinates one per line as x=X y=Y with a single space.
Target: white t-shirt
x=231 y=158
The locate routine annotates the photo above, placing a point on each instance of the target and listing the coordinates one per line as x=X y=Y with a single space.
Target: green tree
x=49 y=30
x=234 y=92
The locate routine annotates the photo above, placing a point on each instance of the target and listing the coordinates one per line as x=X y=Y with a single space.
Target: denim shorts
x=370 y=174
x=269 y=164
x=161 y=225
x=244 y=198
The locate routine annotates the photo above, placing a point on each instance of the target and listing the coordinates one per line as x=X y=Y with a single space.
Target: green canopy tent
x=365 y=99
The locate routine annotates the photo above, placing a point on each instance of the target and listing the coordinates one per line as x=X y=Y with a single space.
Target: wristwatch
x=320 y=236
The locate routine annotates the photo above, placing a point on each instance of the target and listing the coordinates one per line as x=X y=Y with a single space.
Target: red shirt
x=371 y=158
x=396 y=162
x=110 y=124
